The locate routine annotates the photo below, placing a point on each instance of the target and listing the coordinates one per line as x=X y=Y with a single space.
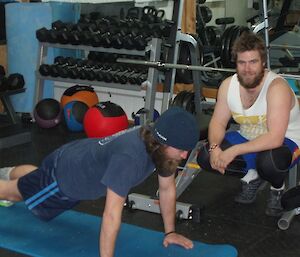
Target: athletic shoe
x=4 y=173
x=274 y=207
x=6 y=203
x=249 y=191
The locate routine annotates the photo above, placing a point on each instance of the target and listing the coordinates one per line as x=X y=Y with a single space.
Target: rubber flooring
x=221 y=221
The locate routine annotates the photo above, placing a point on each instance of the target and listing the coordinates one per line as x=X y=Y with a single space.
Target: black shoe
x=274 y=207
x=249 y=191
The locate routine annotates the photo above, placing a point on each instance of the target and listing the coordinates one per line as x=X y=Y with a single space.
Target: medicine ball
x=137 y=116
x=85 y=94
x=74 y=113
x=104 y=119
x=47 y=113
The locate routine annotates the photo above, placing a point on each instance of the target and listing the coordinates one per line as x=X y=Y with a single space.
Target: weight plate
x=190 y=103
x=225 y=44
x=233 y=36
x=224 y=38
x=206 y=13
x=178 y=100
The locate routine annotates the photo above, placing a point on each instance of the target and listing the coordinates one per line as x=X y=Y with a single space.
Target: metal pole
x=265 y=8
x=164 y=66
x=285 y=46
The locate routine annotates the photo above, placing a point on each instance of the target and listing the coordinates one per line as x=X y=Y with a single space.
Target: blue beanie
x=177 y=128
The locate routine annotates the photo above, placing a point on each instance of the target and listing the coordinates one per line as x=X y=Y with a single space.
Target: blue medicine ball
x=74 y=112
x=136 y=116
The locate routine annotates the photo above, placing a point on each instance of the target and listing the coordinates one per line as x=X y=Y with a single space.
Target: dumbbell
x=122 y=76
x=115 y=68
x=78 y=70
x=141 y=78
x=131 y=26
x=165 y=27
x=94 y=39
x=62 y=32
x=42 y=34
x=15 y=81
x=85 y=70
x=2 y=71
x=59 y=68
x=137 y=78
x=99 y=70
x=106 y=39
x=90 y=32
x=140 y=42
x=45 y=69
x=128 y=42
x=82 y=70
x=117 y=41
x=3 y=84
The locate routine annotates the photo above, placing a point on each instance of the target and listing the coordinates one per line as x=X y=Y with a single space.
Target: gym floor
x=222 y=221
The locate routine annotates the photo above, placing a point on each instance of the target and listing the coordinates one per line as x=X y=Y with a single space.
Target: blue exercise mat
x=75 y=234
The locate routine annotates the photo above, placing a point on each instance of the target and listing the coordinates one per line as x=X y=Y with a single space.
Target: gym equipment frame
x=184 y=178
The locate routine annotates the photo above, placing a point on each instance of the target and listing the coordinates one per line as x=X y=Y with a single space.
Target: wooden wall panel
x=189 y=17
x=3 y=56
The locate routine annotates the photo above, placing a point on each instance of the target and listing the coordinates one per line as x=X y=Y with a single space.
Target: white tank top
x=253 y=120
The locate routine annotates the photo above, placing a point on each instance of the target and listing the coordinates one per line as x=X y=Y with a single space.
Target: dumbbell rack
x=154 y=47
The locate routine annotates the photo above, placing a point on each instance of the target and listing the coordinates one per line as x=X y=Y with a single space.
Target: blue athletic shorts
x=42 y=195
x=234 y=138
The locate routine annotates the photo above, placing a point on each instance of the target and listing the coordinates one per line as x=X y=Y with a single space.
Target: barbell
x=164 y=66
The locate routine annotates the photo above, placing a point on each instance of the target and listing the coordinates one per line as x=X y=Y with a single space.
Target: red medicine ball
x=104 y=119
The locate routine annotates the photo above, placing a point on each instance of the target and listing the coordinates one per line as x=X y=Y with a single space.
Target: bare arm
x=218 y=125
x=167 y=201
x=221 y=115
x=110 y=223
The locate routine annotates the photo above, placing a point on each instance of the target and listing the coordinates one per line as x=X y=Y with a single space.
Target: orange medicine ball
x=85 y=94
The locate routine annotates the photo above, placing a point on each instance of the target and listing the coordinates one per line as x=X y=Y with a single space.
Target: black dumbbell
x=122 y=76
x=138 y=78
x=15 y=81
x=64 y=32
x=97 y=71
x=81 y=70
x=2 y=71
x=140 y=42
x=53 y=36
x=108 y=76
x=59 y=68
x=86 y=70
x=106 y=39
x=3 y=84
x=42 y=34
x=128 y=42
x=94 y=39
x=75 y=38
x=117 y=41
x=45 y=69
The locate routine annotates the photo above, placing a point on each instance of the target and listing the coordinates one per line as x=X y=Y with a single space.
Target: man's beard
x=163 y=164
x=254 y=83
